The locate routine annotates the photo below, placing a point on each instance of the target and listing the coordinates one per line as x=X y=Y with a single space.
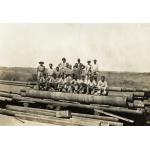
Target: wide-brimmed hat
x=88 y=61
x=41 y=62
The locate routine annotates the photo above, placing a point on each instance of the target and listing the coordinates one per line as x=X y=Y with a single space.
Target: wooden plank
x=53 y=113
x=115 y=116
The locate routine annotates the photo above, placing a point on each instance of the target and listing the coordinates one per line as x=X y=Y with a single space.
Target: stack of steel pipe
x=121 y=106
x=18 y=83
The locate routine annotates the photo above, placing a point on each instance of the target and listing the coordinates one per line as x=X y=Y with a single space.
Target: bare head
x=63 y=60
x=102 y=78
x=78 y=60
x=91 y=78
x=83 y=77
x=57 y=68
x=95 y=61
x=75 y=66
x=89 y=62
x=51 y=65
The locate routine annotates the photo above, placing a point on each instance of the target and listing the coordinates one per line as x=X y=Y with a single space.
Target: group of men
x=71 y=79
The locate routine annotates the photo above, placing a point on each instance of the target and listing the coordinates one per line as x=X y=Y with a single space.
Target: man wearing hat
x=40 y=72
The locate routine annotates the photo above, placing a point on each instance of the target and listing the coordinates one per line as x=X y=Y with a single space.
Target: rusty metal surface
x=88 y=99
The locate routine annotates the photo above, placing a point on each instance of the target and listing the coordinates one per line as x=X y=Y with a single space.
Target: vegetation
x=124 y=79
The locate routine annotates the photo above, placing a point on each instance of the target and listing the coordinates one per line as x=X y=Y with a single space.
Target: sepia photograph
x=74 y=74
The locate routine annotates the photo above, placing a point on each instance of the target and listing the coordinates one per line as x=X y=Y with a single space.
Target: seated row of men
x=71 y=84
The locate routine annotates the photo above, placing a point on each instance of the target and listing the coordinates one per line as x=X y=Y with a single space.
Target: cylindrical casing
x=138 y=104
x=142 y=90
x=114 y=89
x=6 y=95
x=89 y=99
x=126 y=89
x=139 y=94
x=17 y=82
x=92 y=106
x=128 y=95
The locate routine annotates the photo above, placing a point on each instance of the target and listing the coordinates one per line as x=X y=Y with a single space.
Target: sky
x=117 y=47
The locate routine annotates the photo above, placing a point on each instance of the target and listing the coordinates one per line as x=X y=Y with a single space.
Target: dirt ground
x=12 y=121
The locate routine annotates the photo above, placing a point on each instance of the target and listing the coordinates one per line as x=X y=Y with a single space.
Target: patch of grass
x=122 y=79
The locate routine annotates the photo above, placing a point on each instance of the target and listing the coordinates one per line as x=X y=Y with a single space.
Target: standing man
x=80 y=68
x=62 y=66
x=40 y=72
x=50 y=70
x=95 y=69
x=57 y=72
x=88 y=69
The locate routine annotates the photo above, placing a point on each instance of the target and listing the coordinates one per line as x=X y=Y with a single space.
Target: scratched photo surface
x=113 y=91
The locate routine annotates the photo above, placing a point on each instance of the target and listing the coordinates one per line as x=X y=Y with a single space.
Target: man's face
x=95 y=61
x=57 y=69
x=91 y=79
x=78 y=60
x=83 y=77
x=103 y=79
x=64 y=60
x=50 y=65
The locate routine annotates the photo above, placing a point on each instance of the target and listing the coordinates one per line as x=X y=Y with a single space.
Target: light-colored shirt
x=91 y=83
x=50 y=71
x=74 y=82
x=62 y=81
x=41 y=69
x=68 y=71
x=62 y=65
x=51 y=80
x=57 y=73
x=68 y=79
x=82 y=81
x=95 y=67
x=88 y=69
x=102 y=84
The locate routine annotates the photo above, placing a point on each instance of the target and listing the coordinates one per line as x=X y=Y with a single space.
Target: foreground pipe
x=88 y=99
x=10 y=97
x=66 y=104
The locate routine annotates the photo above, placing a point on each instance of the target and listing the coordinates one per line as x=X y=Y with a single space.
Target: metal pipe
x=126 y=89
x=115 y=116
x=88 y=99
x=18 y=82
x=68 y=104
